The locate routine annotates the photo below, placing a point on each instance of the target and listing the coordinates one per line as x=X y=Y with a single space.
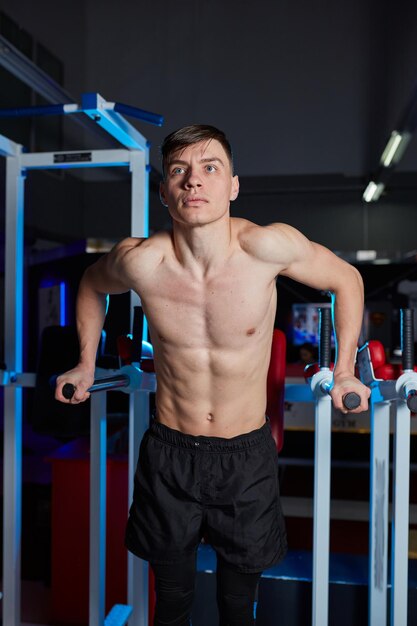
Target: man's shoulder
x=146 y=249
x=157 y=241
x=263 y=242
x=246 y=228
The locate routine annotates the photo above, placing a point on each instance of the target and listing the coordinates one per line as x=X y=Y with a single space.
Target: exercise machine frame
x=135 y=156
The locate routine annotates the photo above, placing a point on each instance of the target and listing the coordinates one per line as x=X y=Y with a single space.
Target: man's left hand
x=346 y=383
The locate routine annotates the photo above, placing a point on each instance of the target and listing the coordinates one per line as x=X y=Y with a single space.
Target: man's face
x=199 y=185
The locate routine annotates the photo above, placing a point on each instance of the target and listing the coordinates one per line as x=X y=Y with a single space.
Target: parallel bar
x=51 y=109
x=98 y=448
x=94 y=106
x=12 y=469
x=138 y=571
x=400 y=517
x=140 y=114
x=378 y=514
x=321 y=529
x=76 y=159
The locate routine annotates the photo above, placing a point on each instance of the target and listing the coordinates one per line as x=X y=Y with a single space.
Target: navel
x=251 y=331
x=210 y=417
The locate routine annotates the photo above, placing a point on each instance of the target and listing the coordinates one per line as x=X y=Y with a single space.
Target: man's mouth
x=193 y=199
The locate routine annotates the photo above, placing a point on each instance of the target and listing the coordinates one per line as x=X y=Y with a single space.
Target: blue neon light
x=63 y=302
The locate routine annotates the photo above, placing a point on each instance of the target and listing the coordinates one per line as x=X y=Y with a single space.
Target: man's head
x=198 y=181
x=183 y=137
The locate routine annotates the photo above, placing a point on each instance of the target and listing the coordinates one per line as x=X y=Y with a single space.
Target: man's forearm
x=91 y=312
x=348 y=312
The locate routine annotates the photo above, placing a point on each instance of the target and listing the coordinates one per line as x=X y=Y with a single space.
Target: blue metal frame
x=108 y=115
x=137 y=158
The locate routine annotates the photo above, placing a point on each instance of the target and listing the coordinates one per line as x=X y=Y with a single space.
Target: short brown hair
x=189 y=135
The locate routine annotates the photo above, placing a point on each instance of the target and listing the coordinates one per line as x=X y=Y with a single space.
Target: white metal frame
x=318 y=392
x=383 y=394
x=136 y=157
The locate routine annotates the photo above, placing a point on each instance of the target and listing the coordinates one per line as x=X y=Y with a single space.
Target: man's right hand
x=82 y=378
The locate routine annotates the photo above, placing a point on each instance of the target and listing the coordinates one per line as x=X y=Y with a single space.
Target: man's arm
x=109 y=275
x=316 y=266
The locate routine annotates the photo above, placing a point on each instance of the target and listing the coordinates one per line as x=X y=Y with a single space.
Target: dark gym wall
x=297 y=85
x=60 y=27
x=302 y=89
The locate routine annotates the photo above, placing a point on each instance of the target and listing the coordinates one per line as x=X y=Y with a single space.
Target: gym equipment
x=402 y=392
x=321 y=383
x=134 y=154
x=320 y=378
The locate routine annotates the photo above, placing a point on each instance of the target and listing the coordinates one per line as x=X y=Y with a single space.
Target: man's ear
x=235 y=188
x=162 y=194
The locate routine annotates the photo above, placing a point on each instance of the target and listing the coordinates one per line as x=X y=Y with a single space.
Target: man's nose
x=193 y=179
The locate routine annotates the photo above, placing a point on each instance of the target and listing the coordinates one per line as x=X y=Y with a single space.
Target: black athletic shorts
x=225 y=489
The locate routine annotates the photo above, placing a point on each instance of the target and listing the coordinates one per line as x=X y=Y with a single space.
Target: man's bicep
x=317 y=267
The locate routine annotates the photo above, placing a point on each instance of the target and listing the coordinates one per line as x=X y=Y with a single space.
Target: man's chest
x=223 y=310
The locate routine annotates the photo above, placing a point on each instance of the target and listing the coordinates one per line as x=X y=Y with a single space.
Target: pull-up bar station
x=134 y=154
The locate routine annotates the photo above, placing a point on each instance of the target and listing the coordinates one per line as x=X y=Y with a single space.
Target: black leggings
x=174 y=586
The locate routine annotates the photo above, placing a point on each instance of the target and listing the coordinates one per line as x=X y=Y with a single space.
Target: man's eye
x=211 y=168
x=178 y=170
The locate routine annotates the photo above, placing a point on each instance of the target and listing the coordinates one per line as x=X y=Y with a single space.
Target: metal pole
x=400 y=516
x=378 y=515
x=139 y=217
x=12 y=472
x=321 y=529
x=98 y=450
x=138 y=572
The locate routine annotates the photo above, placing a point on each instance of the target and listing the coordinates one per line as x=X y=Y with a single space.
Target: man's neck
x=202 y=249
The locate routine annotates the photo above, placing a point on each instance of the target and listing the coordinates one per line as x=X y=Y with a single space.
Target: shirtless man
x=208 y=463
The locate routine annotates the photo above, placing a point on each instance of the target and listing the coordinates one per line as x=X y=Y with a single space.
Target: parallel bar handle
x=350 y=400
x=325 y=329
x=407 y=338
x=100 y=384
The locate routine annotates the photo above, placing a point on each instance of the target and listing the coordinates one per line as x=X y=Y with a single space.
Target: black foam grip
x=137 y=333
x=325 y=329
x=407 y=338
x=351 y=400
x=412 y=402
x=68 y=391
